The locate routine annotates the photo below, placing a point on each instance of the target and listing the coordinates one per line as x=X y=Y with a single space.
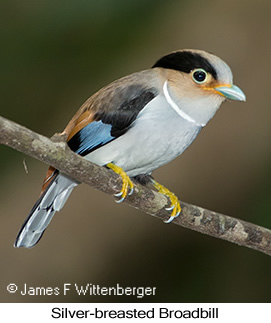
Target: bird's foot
x=175 y=204
x=127 y=184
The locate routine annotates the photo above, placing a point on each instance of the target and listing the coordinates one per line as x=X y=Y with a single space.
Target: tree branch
x=55 y=152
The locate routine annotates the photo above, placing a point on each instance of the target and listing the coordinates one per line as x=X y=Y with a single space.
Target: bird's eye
x=199 y=75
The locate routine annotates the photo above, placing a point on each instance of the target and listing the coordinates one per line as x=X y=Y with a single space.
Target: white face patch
x=175 y=107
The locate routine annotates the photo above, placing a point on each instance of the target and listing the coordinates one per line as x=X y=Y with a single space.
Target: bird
x=137 y=124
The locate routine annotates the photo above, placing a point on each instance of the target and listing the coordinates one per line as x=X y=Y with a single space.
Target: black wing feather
x=109 y=125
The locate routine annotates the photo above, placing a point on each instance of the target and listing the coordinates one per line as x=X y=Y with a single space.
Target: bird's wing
x=114 y=117
x=109 y=113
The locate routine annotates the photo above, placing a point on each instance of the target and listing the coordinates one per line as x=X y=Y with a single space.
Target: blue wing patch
x=93 y=136
x=114 y=122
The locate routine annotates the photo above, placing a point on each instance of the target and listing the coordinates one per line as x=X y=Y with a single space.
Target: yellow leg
x=126 y=182
x=175 y=204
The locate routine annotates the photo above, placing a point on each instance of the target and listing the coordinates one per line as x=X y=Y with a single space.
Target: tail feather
x=51 y=200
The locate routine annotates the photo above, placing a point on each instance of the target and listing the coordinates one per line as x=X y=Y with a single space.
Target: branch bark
x=55 y=152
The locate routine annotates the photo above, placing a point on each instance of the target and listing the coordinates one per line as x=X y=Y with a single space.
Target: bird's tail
x=52 y=199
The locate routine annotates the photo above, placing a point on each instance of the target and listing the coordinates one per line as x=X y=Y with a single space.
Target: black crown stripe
x=186 y=62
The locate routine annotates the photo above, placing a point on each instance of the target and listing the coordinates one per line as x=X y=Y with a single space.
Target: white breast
x=158 y=135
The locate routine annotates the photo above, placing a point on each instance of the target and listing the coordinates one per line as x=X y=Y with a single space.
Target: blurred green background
x=54 y=55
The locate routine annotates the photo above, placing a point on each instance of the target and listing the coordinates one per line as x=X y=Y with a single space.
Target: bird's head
x=198 y=82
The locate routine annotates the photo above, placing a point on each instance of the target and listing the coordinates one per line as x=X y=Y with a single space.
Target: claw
x=118 y=194
x=178 y=213
x=127 y=184
x=170 y=208
x=120 y=200
x=175 y=204
x=131 y=191
x=171 y=218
